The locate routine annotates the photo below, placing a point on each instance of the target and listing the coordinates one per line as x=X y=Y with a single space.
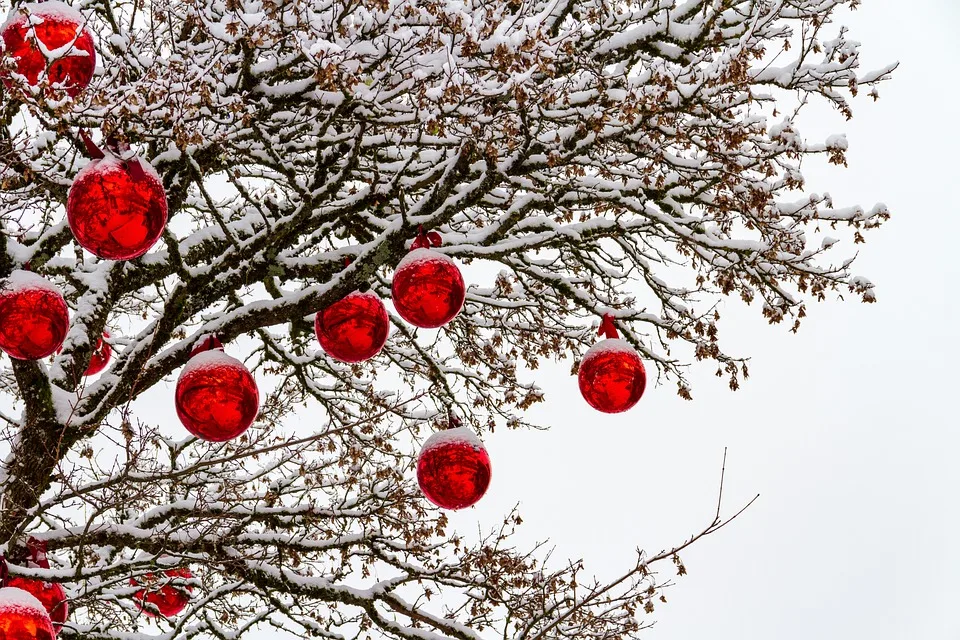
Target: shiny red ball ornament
x=117 y=209
x=612 y=377
x=33 y=316
x=168 y=594
x=453 y=469
x=50 y=594
x=216 y=397
x=49 y=38
x=23 y=617
x=428 y=288
x=354 y=328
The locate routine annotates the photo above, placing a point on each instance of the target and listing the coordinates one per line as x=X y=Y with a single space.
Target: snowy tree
x=578 y=157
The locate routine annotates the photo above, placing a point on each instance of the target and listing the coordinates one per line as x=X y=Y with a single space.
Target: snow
x=214 y=358
x=48 y=9
x=422 y=255
x=462 y=435
x=21 y=280
x=111 y=162
x=609 y=345
x=13 y=599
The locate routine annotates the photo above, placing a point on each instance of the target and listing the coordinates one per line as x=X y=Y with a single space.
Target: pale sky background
x=847 y=430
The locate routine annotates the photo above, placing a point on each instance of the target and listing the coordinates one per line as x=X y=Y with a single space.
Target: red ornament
x=117 y=209
x=57 y=29
x=428 y=289
x=50 y=594
x=354 y=328
x=453 y=469
x=33 y=317
x=169 y=595
x=23 y=617
x=216 y=396
x=612 y=377
x=100 y=357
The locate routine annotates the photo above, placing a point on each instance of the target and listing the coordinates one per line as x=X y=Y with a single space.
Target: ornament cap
x=607 y=328
x=208 y=342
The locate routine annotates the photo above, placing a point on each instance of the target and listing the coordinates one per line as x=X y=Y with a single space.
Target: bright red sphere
x=100 y=357
x=33 y=317
x=50 y=594
x=428 y=289
x=612 y=377
x=217 y=398
x=169 y=595
x=453 y=469
x=55 y=27
x=117 y=209
x=23 y=617
x=354 y=328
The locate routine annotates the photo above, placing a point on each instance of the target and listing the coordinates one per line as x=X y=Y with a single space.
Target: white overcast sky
x=847 y=430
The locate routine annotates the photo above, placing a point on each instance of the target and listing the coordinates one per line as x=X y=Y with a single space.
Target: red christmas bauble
x=33 y=317
x=216 y=397
x=354 y=328
x=169 y=595
x=23 y=617
x=100 y=357
x=50 y=594
x=612 y=377
x=117 y=209
x=453 y=469
x=61 y=32
x=428 y=289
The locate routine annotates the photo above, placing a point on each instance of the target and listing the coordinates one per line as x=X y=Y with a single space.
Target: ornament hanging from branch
x=216 y=396
x=612 y=377
x=354 y=328
x=453 y=469
x=100 y=357
x=50 y=594
x=49 y=39
x=168 y=595
x=116 y=207
x=428 y=288
x=34 y=317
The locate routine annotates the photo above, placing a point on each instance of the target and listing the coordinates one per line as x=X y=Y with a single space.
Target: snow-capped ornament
x=428 y=289
x=612 y=377
x=116 y=208
x=354 y=328
x=168 y=594
x=453 y=469
x=50 y=594
x=23 y=617
x=33 y=316
x=52 y=39
x=216 y=396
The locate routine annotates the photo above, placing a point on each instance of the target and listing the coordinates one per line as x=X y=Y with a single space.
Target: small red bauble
x=169 y=595
x=59 y=30
x=612 y=377
x=428 y=289
x=50 y=594
x=354 y=328
x=216 y=397
x=453 y=469
x=117 y=209
x=23 y=617
x=100 y=357
x=33 y=317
